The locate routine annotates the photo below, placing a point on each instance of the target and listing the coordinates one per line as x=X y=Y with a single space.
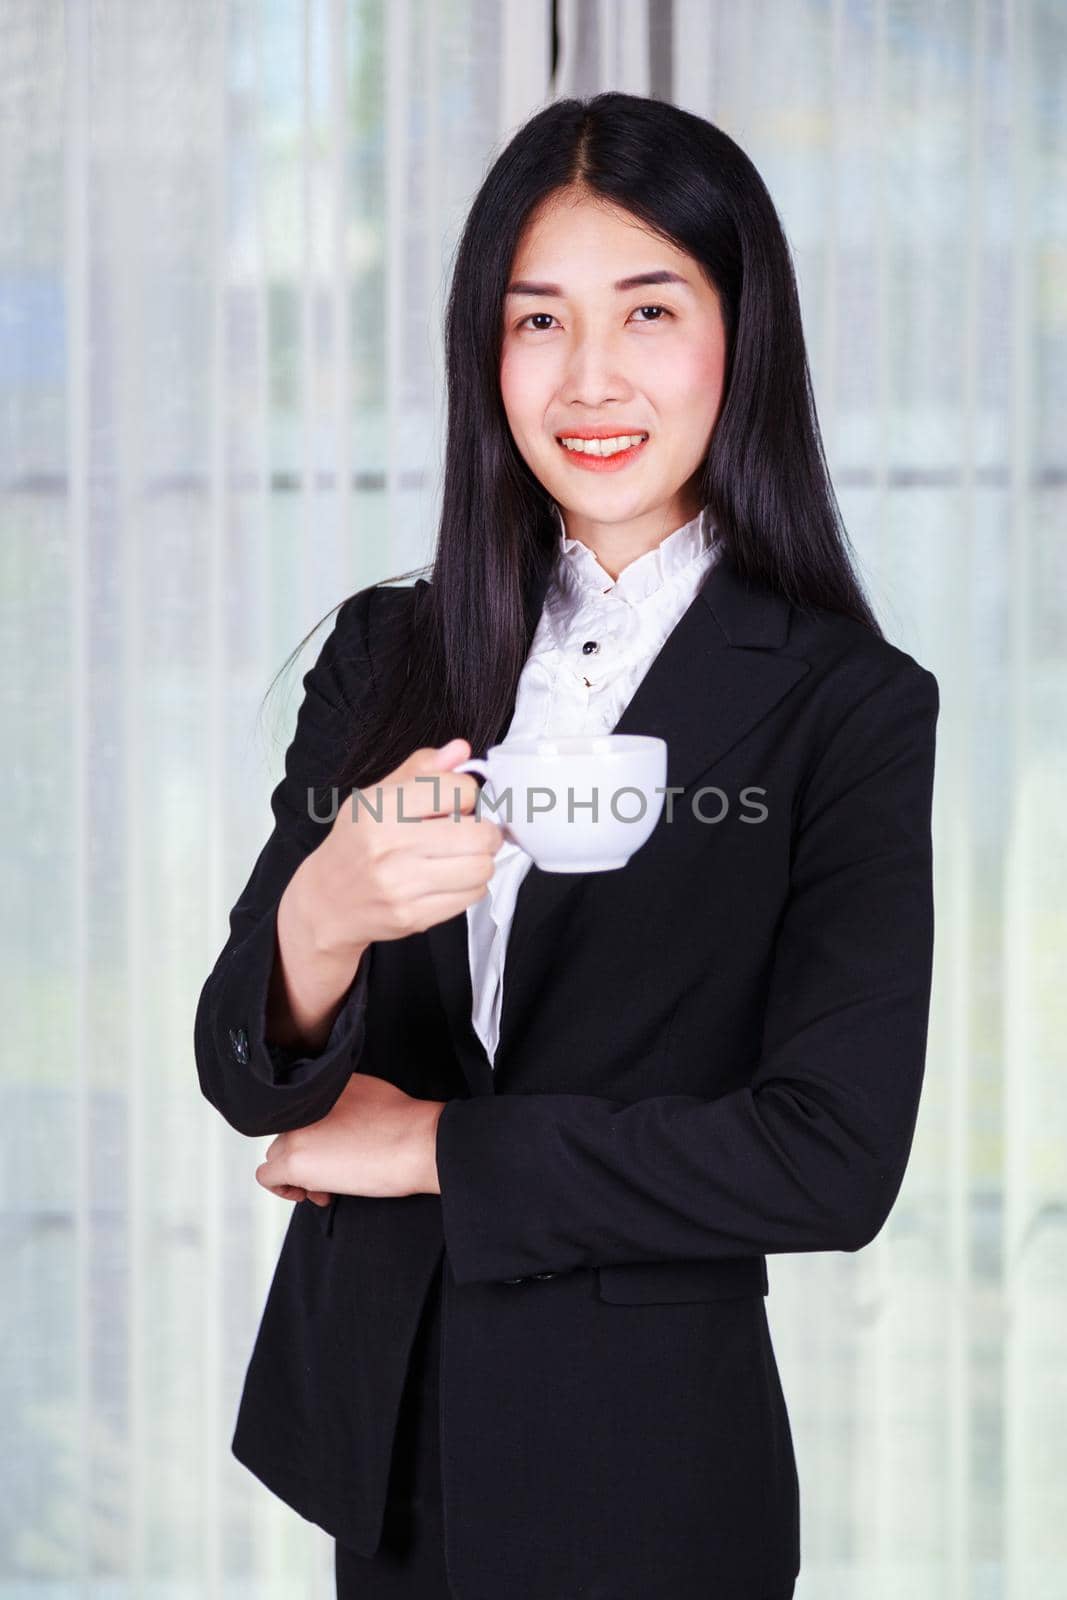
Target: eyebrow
x=639 y=281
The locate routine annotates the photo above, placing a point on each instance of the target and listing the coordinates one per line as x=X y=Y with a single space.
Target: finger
x=434 y=908
x=445 y=836
x=445 y=875
x=435 y=794
x=286 y=1191
x=269 y=1175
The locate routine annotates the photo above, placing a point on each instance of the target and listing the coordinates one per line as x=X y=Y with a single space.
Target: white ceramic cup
x=543 y=793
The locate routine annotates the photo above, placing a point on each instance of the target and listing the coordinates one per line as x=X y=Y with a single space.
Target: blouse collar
x=579 y=574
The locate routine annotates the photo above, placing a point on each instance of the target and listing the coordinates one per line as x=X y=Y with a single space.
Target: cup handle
x=482 y=769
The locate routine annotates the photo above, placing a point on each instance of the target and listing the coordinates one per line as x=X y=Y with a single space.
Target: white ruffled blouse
x=561 y=691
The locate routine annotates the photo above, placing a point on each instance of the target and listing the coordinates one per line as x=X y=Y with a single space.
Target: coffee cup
x=576 y=803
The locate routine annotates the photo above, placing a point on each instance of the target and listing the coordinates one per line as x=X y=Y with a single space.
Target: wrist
x=309 y=912
x=425 y=1179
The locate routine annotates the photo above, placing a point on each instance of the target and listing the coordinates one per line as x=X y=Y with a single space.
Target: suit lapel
x=718 y=674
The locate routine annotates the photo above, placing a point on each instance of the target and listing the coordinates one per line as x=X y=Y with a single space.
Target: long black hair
x=765 y=476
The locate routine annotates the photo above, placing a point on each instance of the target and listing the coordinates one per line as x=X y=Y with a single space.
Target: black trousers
x=409 y=1564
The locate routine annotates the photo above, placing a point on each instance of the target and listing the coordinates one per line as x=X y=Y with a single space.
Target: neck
x=616 y=545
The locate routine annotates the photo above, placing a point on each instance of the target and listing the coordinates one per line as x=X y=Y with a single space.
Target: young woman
x=516 y=1342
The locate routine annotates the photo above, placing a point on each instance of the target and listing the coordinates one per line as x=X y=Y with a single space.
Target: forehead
x=572 y=245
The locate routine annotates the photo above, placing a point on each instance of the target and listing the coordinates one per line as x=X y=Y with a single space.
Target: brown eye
x=534 y=315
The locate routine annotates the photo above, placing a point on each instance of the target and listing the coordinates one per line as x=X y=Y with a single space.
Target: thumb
x=429 y=758
x=446 y=756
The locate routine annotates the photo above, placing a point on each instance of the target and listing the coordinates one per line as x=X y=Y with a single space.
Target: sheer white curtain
x=227 y=229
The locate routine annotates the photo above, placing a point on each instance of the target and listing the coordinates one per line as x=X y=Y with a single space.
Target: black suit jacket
x=710 y=1055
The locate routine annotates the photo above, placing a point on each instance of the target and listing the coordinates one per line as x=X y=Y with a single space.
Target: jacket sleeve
x=810 y=1154
x=261 y=1088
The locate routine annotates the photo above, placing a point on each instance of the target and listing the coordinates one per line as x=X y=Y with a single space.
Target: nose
x=593 y=375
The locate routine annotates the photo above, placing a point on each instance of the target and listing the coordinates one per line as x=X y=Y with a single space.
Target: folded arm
x=810 y=1154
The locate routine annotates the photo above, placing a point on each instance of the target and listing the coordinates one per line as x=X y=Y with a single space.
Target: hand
x=408 y=856
x=375 y=1140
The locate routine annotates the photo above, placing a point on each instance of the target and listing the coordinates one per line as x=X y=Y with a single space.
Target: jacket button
x=544 y=1274
x=239 y=1044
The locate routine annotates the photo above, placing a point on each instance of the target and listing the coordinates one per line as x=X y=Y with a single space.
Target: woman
x=516 y=1342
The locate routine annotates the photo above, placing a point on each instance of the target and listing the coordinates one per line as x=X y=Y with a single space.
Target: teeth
x=603 y=447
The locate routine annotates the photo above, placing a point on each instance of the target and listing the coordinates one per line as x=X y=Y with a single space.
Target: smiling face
x=584 y=352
